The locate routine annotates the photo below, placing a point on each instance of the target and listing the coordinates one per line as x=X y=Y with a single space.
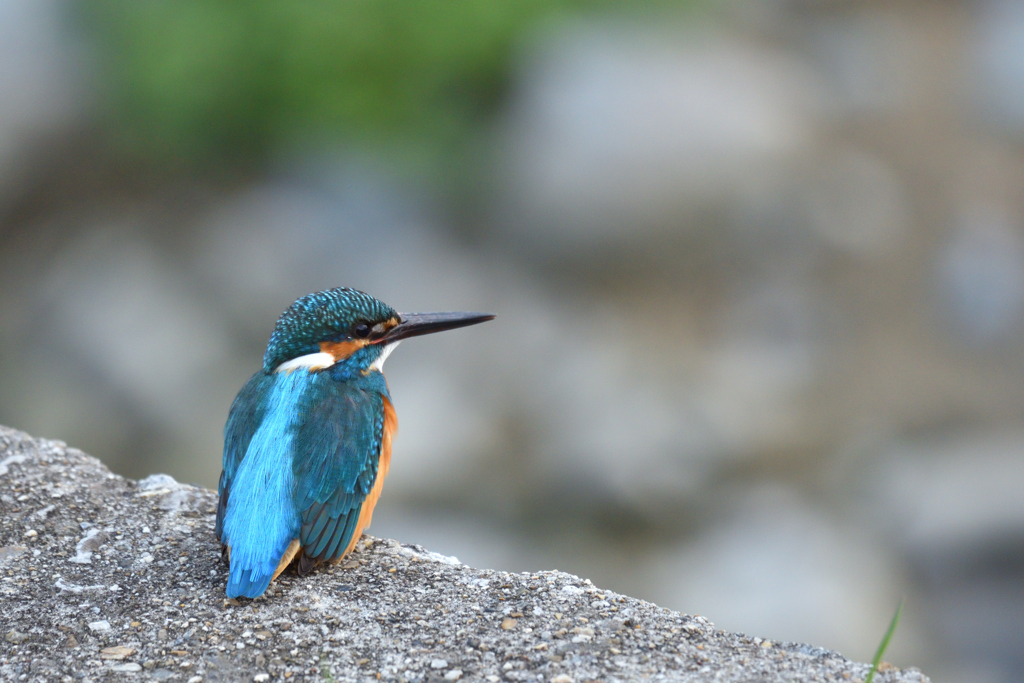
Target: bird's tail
x=248 y=583
x=248 y=578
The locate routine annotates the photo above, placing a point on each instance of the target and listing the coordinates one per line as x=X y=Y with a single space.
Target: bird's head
x=346 y=328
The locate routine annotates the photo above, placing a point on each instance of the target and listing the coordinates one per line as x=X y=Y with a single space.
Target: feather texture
x=247 y=411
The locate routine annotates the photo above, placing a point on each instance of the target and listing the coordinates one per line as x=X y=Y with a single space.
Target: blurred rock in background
x=758 y=269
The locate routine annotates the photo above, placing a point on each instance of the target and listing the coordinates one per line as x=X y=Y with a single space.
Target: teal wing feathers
x=337 y=454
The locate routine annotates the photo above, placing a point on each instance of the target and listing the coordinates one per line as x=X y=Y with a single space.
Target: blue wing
x=337 y=455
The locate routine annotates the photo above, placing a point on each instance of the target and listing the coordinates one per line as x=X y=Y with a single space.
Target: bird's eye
x=361 y=330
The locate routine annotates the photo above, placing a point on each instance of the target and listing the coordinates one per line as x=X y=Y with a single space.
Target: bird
x=307 y=442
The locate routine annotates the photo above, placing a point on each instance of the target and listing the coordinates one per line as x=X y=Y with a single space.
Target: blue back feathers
x=261 y=519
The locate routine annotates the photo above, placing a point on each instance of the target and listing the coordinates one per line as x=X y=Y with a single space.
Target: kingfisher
x=307 y=442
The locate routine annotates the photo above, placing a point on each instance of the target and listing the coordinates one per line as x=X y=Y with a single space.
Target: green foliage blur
x=235 y=80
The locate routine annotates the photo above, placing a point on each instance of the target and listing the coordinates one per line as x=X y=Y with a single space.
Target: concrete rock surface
x=103 y=578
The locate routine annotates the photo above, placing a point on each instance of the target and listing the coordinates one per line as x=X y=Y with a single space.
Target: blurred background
x=758 y=267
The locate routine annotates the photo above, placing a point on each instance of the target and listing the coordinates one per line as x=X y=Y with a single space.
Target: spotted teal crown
x=329 y=315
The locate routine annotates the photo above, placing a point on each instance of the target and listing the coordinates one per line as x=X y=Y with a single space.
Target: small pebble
x=453 y=675
x=16 y=637
x=260 y=678
x=117 y=652
x=196 y=679
x=31 y=533
x=438 y=664
x=129 y=667
x=97 y=626
x=509 y=624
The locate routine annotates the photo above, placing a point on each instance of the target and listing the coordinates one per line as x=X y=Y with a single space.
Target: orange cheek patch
x=343 y=349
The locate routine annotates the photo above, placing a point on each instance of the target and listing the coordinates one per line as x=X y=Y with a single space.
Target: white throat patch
x=378 y=364
x=323 y=360
x=311 y=361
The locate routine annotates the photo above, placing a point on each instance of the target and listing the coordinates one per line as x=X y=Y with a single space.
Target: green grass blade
x=884 y=645
x=325 y=669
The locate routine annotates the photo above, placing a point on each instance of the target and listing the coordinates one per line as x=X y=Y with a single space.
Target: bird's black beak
x=415 y=324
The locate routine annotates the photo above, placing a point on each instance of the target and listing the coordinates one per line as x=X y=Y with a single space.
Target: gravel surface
x=104 y=578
